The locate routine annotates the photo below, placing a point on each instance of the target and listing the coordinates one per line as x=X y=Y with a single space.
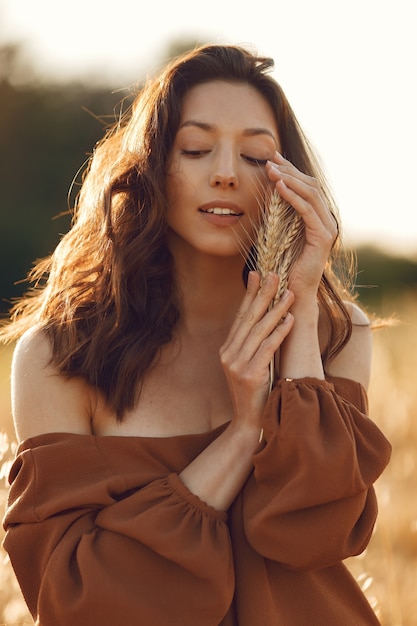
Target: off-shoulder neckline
x=36 y=440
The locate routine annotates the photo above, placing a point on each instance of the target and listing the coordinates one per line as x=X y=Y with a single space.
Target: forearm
x=300 y=353
x=219 y=472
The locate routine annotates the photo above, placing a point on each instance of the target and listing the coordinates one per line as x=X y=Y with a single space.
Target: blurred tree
x=46 y=134
x=381 y=276
x=14 y=68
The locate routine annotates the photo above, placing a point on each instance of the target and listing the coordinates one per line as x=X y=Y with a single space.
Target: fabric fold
x=101 y=531
x=108 y=549
x=310 y=501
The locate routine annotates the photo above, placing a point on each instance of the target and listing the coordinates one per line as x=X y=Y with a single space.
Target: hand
x=307 y=198
x=253 y=340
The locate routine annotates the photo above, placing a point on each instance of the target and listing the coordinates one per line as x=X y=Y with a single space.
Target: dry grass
x=387 y=570
x=280 y=239
x=13 y=610
x=389 y=565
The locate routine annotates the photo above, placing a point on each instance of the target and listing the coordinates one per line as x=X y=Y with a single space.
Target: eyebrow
x=247 y=132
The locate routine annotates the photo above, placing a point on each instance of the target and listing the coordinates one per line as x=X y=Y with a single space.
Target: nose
x=224 y=173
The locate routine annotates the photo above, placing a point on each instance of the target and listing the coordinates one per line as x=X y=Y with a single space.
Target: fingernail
x=275 y=166
x=287 y=318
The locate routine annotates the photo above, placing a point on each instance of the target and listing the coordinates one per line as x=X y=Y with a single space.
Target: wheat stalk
x=279 y=241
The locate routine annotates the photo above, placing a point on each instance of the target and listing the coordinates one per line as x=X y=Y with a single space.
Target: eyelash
x=254 y=161
x=251 y=160
x=194 y=153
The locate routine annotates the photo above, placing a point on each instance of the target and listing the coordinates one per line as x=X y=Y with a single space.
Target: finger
x=279 y=166
x=304 y=193
x=266 y=350
x=266 y=330
x=282 y=169
x=237 y=356
x=320 y=224
x=303 y=196
x=254 y=306
x=255 y=370
x=248 y=317
x=306 y=186
x=252 y=289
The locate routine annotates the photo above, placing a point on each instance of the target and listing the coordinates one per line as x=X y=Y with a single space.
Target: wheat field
x=387 y=571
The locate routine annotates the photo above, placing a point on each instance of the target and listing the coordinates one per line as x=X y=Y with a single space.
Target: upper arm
x=354 y=360
x=43 y=400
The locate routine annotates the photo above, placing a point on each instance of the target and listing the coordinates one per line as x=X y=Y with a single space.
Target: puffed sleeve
x=310 y=502
x=91 y=547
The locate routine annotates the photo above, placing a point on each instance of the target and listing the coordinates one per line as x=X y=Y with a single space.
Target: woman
x=158 y=481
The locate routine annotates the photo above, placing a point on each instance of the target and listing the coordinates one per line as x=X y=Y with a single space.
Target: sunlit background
x=348 y=68
x=349 y=71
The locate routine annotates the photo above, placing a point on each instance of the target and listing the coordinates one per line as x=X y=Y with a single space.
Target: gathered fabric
x=101 y=531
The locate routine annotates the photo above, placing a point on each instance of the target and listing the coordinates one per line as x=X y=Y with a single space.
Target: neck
x=211 y=289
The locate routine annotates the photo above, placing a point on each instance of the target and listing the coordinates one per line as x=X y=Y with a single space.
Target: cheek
x=261 y=196
x=259 y=184
x=260 y=201
x=173 y=187
x=180 y=186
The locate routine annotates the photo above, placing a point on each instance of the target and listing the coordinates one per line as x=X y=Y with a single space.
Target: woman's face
x=216 y=169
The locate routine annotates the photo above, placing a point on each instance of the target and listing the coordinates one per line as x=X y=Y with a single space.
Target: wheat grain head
x=279 y=241
x=280 y=238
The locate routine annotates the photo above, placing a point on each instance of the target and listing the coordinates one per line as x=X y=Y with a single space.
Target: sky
x=349 y=70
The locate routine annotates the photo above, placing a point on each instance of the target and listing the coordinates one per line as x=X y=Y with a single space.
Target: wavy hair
x=107 y=297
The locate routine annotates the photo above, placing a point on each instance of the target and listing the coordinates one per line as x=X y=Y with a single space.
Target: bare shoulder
x=43 y=400
x=354 y=361
x=358 y=315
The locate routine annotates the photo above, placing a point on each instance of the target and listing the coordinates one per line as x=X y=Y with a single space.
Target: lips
x=221 y=208
x=220 y=211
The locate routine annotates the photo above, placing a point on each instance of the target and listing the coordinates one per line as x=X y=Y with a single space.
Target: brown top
x=101 y=531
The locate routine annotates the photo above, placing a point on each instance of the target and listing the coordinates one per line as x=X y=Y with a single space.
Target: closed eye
x=254 y=161
x=194 y=153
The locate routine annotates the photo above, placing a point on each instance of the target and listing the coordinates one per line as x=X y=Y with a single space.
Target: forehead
x=221 y=103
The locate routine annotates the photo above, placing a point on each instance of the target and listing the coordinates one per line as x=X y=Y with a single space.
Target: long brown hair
x=106 y=297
